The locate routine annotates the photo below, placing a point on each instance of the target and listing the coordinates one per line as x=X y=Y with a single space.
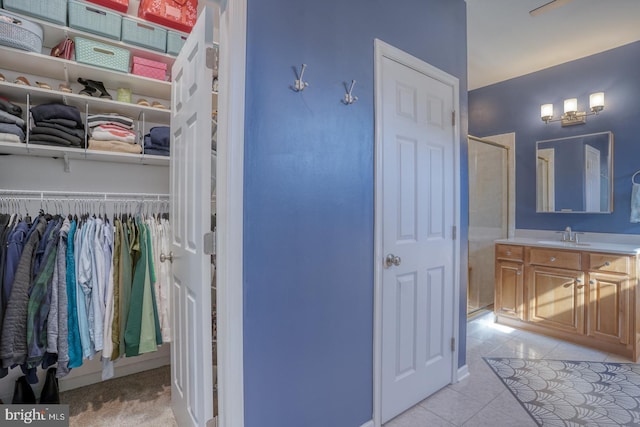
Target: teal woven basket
x=175 y=41
x=102 y=55
x=49 y=10
x=144 y=34
x=91 y=19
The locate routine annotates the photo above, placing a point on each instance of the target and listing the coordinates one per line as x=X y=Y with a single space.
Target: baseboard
x=91 y=371
x=368 y=424
x=463 y=372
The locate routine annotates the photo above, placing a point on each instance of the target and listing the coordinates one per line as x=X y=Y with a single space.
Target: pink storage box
x=148 y=68
x=119 y=5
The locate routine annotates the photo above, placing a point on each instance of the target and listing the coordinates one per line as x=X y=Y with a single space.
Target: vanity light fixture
x=571 y=114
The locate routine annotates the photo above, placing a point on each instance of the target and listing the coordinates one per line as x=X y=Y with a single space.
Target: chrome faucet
x=569 y=235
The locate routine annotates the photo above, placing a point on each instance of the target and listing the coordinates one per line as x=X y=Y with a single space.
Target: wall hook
x=348 y=97
x=299 y=84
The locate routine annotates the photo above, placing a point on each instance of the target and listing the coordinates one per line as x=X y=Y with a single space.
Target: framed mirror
x=575 y=174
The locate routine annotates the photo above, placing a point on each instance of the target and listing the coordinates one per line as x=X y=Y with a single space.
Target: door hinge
x=454 y=232
x=453 y=118
x=210 y=58
x=210 y=243
x=453 y=344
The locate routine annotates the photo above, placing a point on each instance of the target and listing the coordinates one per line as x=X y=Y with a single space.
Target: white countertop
x=619 y=248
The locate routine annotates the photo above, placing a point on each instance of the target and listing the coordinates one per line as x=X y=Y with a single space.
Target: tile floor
x=481 y=399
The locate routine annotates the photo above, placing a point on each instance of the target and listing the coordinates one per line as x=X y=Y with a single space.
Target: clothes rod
x=44 y=194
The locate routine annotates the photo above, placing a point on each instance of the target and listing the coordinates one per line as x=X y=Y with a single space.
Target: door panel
x=417 y=219
x=608 y=307
x=557 y=299
x=191 y=352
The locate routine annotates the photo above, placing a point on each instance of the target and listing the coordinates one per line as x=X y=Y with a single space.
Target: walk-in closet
x=93 y=169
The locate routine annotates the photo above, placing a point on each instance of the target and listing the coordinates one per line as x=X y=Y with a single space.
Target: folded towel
x=119 y=146
x=635 y=203
x=9 y=137
x=13 y=129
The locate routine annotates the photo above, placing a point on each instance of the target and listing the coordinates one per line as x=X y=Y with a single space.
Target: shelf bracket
x=67 y=164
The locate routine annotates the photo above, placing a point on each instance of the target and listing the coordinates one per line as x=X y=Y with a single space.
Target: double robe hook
x=299 y=85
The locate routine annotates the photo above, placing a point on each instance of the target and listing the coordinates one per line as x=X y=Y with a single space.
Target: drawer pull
x=592 y=282
x=518 y=273
x=508 y=252
x=578 y=280
x=607 y=264
x=552 y=259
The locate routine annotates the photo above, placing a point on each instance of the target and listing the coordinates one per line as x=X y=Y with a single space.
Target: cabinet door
x=609 y=307
x=557 y=299
x=509 y=298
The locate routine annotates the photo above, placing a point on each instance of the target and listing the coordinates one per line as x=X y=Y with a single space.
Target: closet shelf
x=54 y=33
x=81 y=154
x=64 y=70
x=18 y=94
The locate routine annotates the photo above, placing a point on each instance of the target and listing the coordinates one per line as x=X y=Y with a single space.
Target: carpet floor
x=573 y=393
x=140 y=400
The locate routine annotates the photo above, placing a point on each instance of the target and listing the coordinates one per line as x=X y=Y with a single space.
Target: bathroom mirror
x=575 y=174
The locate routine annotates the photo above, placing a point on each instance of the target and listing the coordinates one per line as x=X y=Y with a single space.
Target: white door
x=191 y=353
x=592 y=178
x=418 y=215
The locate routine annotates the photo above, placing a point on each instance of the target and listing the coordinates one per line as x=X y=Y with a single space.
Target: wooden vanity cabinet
x=585 y=297
x=509 y=292
x=610 y=288
x=556 y=296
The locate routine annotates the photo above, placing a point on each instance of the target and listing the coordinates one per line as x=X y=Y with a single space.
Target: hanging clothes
x=71 y=289
x=13 y=343
x=74 y=340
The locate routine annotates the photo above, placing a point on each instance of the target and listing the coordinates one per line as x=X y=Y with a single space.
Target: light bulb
x=570 y=106
x=596 y=102
x=546 y=112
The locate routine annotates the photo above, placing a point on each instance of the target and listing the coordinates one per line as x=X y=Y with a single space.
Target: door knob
x=164 y=257
x=392 y=260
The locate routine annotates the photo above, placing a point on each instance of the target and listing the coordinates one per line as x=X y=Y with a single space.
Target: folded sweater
x=113 y=133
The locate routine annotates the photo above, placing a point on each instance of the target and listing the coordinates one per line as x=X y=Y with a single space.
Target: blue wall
x=514 y=106
x=309 y=187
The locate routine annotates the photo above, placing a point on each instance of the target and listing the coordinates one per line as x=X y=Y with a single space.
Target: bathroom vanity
x=586 y=293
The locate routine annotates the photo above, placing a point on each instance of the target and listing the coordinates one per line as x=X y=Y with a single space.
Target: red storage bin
x=178 y=14
x=119 y=5
x=148 y=68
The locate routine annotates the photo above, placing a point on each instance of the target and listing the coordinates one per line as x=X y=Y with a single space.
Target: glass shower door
x=488 y=217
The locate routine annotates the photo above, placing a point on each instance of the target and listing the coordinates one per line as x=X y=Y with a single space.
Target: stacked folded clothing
x=112 y=132
x=11 y=123
x=57 y=124
x=157 y=141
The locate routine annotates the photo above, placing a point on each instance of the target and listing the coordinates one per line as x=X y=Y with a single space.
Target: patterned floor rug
x=573 y=393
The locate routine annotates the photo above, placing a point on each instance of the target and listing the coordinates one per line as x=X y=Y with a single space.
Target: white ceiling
x=504 y=41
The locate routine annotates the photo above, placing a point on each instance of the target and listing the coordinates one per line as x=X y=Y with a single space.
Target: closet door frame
x=229 y=212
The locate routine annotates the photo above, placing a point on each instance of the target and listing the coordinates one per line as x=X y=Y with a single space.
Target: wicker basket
x=20 y=33
x=102 y=55
x=175 y=41
x=94 y=20
x=49 y=10
x=144 y=34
